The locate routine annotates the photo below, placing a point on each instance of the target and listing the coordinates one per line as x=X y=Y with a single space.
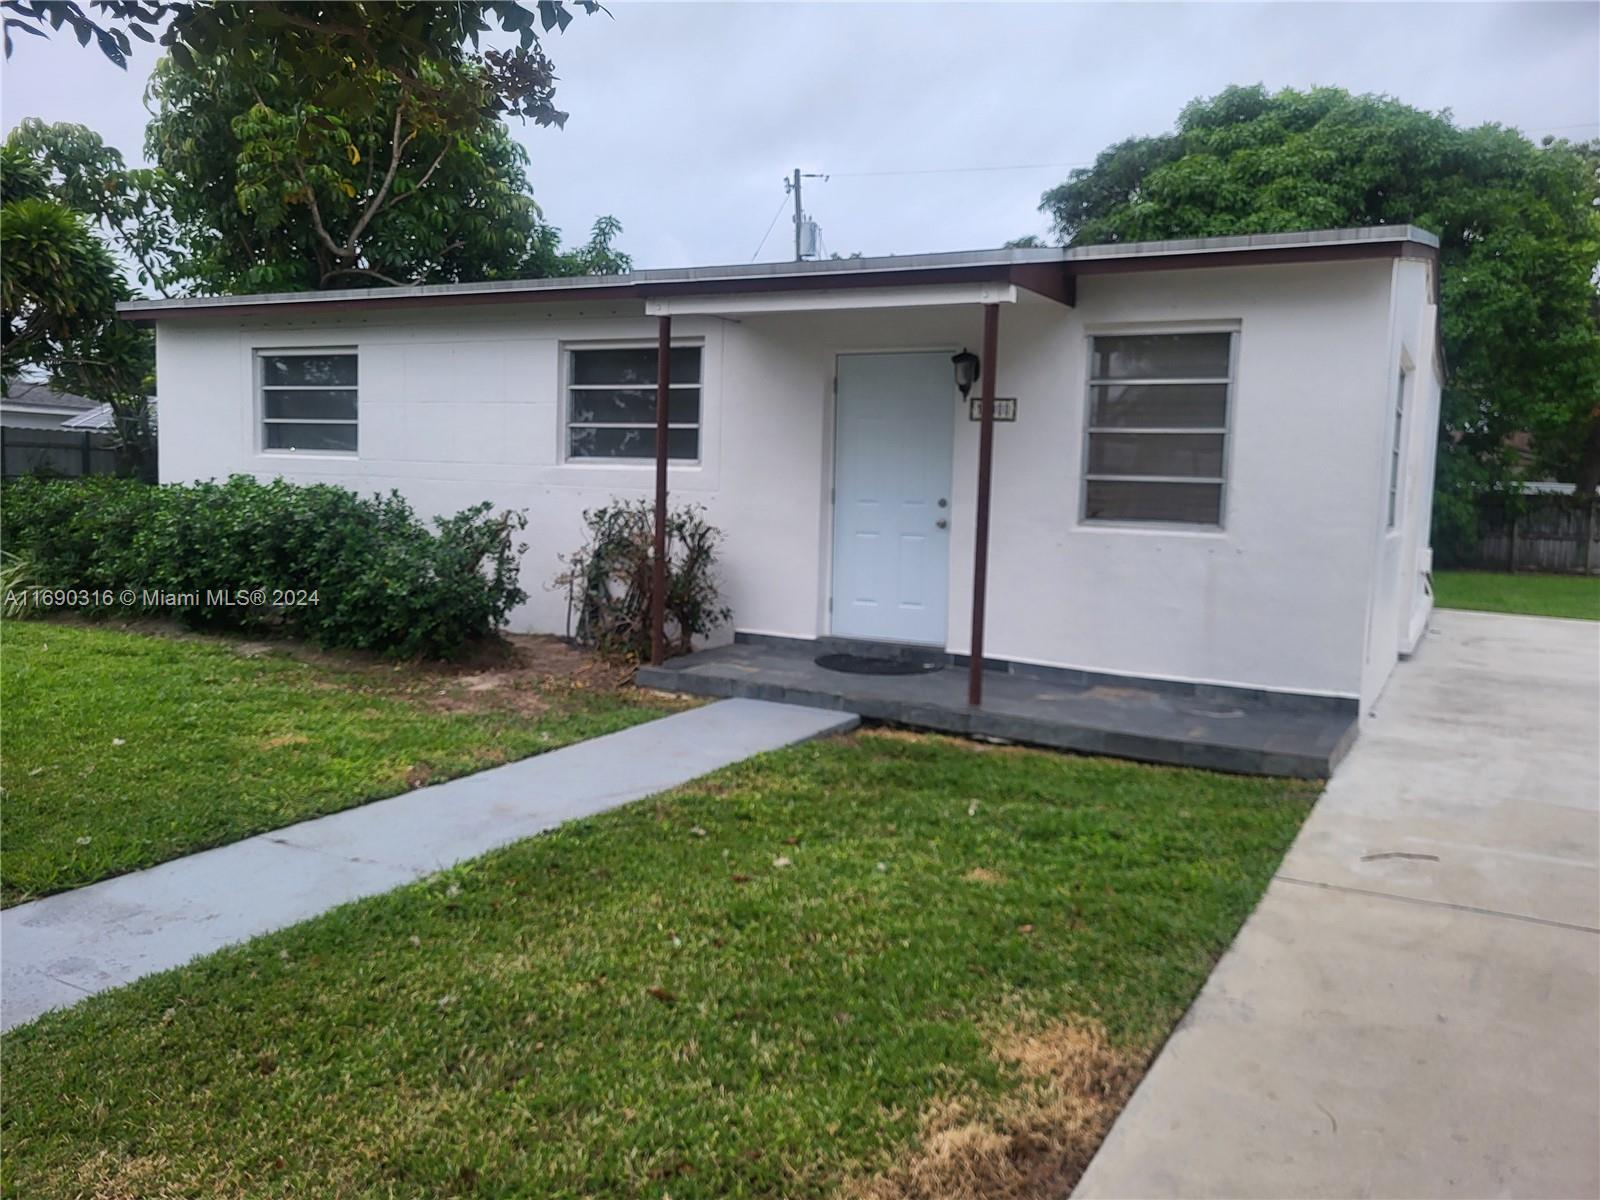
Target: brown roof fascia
x=378 y=300
x=1048 y=279
x=1052 y=280
x=1266 y=256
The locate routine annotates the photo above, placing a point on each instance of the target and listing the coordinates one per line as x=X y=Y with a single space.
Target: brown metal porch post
x=980 y=545
x=658 y=557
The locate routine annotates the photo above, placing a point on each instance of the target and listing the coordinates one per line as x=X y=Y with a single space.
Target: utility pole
x=792 y=184
x=799 y=214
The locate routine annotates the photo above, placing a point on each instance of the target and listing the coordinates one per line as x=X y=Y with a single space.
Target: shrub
x=18 y=584
x=383 y=580
x=610 y=579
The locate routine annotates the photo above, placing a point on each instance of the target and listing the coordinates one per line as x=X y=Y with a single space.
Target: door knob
x=942 y=523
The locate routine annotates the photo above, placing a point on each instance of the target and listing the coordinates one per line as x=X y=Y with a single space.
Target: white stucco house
x=1212 y=463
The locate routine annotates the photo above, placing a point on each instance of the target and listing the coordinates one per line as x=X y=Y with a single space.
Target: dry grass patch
x=1032 y=1143
x=285 y=739
x=106 y=1175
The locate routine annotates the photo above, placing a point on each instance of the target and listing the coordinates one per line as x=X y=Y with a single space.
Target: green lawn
x=772 y=982
x=1535 y=595
x=122 y=750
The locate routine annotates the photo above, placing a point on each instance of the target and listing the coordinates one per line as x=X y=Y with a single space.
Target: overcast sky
x=687 y=117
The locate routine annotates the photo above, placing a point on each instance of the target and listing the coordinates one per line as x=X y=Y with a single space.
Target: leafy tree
x=597 y=256
x=131 y=205
x=58 y=297
x=272 y=192
x=312 y=145
x=314 y=40
x=1519 y=242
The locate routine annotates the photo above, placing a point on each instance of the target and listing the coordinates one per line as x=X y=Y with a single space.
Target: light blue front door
x=894 y=431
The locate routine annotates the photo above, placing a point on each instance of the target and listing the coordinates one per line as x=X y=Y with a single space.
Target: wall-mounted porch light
x=966 y=365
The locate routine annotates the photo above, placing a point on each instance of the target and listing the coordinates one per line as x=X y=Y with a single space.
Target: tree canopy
x=61 y=283
x=271 y=191
x=315 y=145
x=130 y=205
x=1519 y=243
x=404 y=40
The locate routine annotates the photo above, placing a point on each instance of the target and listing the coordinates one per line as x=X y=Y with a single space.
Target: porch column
x=980 y=545
x=658 y=558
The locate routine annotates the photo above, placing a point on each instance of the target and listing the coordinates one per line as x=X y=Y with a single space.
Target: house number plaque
x=1005 y=408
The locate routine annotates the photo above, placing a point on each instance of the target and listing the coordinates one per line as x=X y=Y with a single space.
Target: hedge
x=382 y=580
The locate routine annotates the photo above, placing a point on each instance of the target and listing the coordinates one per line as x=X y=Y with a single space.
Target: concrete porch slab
x=1243 y=732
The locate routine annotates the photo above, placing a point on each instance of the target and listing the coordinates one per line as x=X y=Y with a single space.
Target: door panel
x=894 y=433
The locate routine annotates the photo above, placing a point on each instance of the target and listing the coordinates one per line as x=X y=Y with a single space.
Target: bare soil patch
x=516 y=672
x=1035 y=1142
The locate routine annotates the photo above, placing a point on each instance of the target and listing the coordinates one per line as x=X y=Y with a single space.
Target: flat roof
x=1048 y=271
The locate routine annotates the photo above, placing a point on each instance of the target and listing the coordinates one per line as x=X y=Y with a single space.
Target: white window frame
x=1234 y=331
x=1397 y=449
x=569 y=349
x=262 y=420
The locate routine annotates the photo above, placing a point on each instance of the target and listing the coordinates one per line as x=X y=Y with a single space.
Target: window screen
x=308 y=400
x=1158 y=427
x=611 y=403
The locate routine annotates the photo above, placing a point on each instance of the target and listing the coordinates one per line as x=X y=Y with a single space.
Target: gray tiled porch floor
x=1238 y=731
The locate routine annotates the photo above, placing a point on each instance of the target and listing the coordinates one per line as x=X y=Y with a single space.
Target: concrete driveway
x=1414 y=1008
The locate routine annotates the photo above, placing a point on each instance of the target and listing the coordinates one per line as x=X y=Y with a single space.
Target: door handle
x=942 y=523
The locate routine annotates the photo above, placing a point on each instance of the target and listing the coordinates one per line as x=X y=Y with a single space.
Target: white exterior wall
x=1400 y=599
x=464 y=404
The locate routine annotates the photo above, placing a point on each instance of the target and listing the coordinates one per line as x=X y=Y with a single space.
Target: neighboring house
x=101 y=419
x=38 y=406
x=1219 y=470
x=1522 y=450
x=51 y=433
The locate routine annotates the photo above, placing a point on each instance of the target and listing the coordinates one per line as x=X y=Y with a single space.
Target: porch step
x=1245 y=733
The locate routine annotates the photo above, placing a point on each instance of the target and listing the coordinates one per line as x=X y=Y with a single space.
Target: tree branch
x=422 y=276
x=389 y=279
x=317 y=226
x=426 y=175
x=398 y=146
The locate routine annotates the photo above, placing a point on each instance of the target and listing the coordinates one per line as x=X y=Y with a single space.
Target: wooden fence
x=55 y=452
x=1560 y=534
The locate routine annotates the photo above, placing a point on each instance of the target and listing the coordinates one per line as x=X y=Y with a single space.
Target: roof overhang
x=20 y=407
x=832 y=300
x=1048 y=273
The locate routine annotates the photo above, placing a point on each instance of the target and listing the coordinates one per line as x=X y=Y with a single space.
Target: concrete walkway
x=56 y=951
x=1414 y=1008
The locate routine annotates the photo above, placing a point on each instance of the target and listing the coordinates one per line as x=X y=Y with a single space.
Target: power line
x=782 y=204
x=1059 y=165
x=958 y=170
